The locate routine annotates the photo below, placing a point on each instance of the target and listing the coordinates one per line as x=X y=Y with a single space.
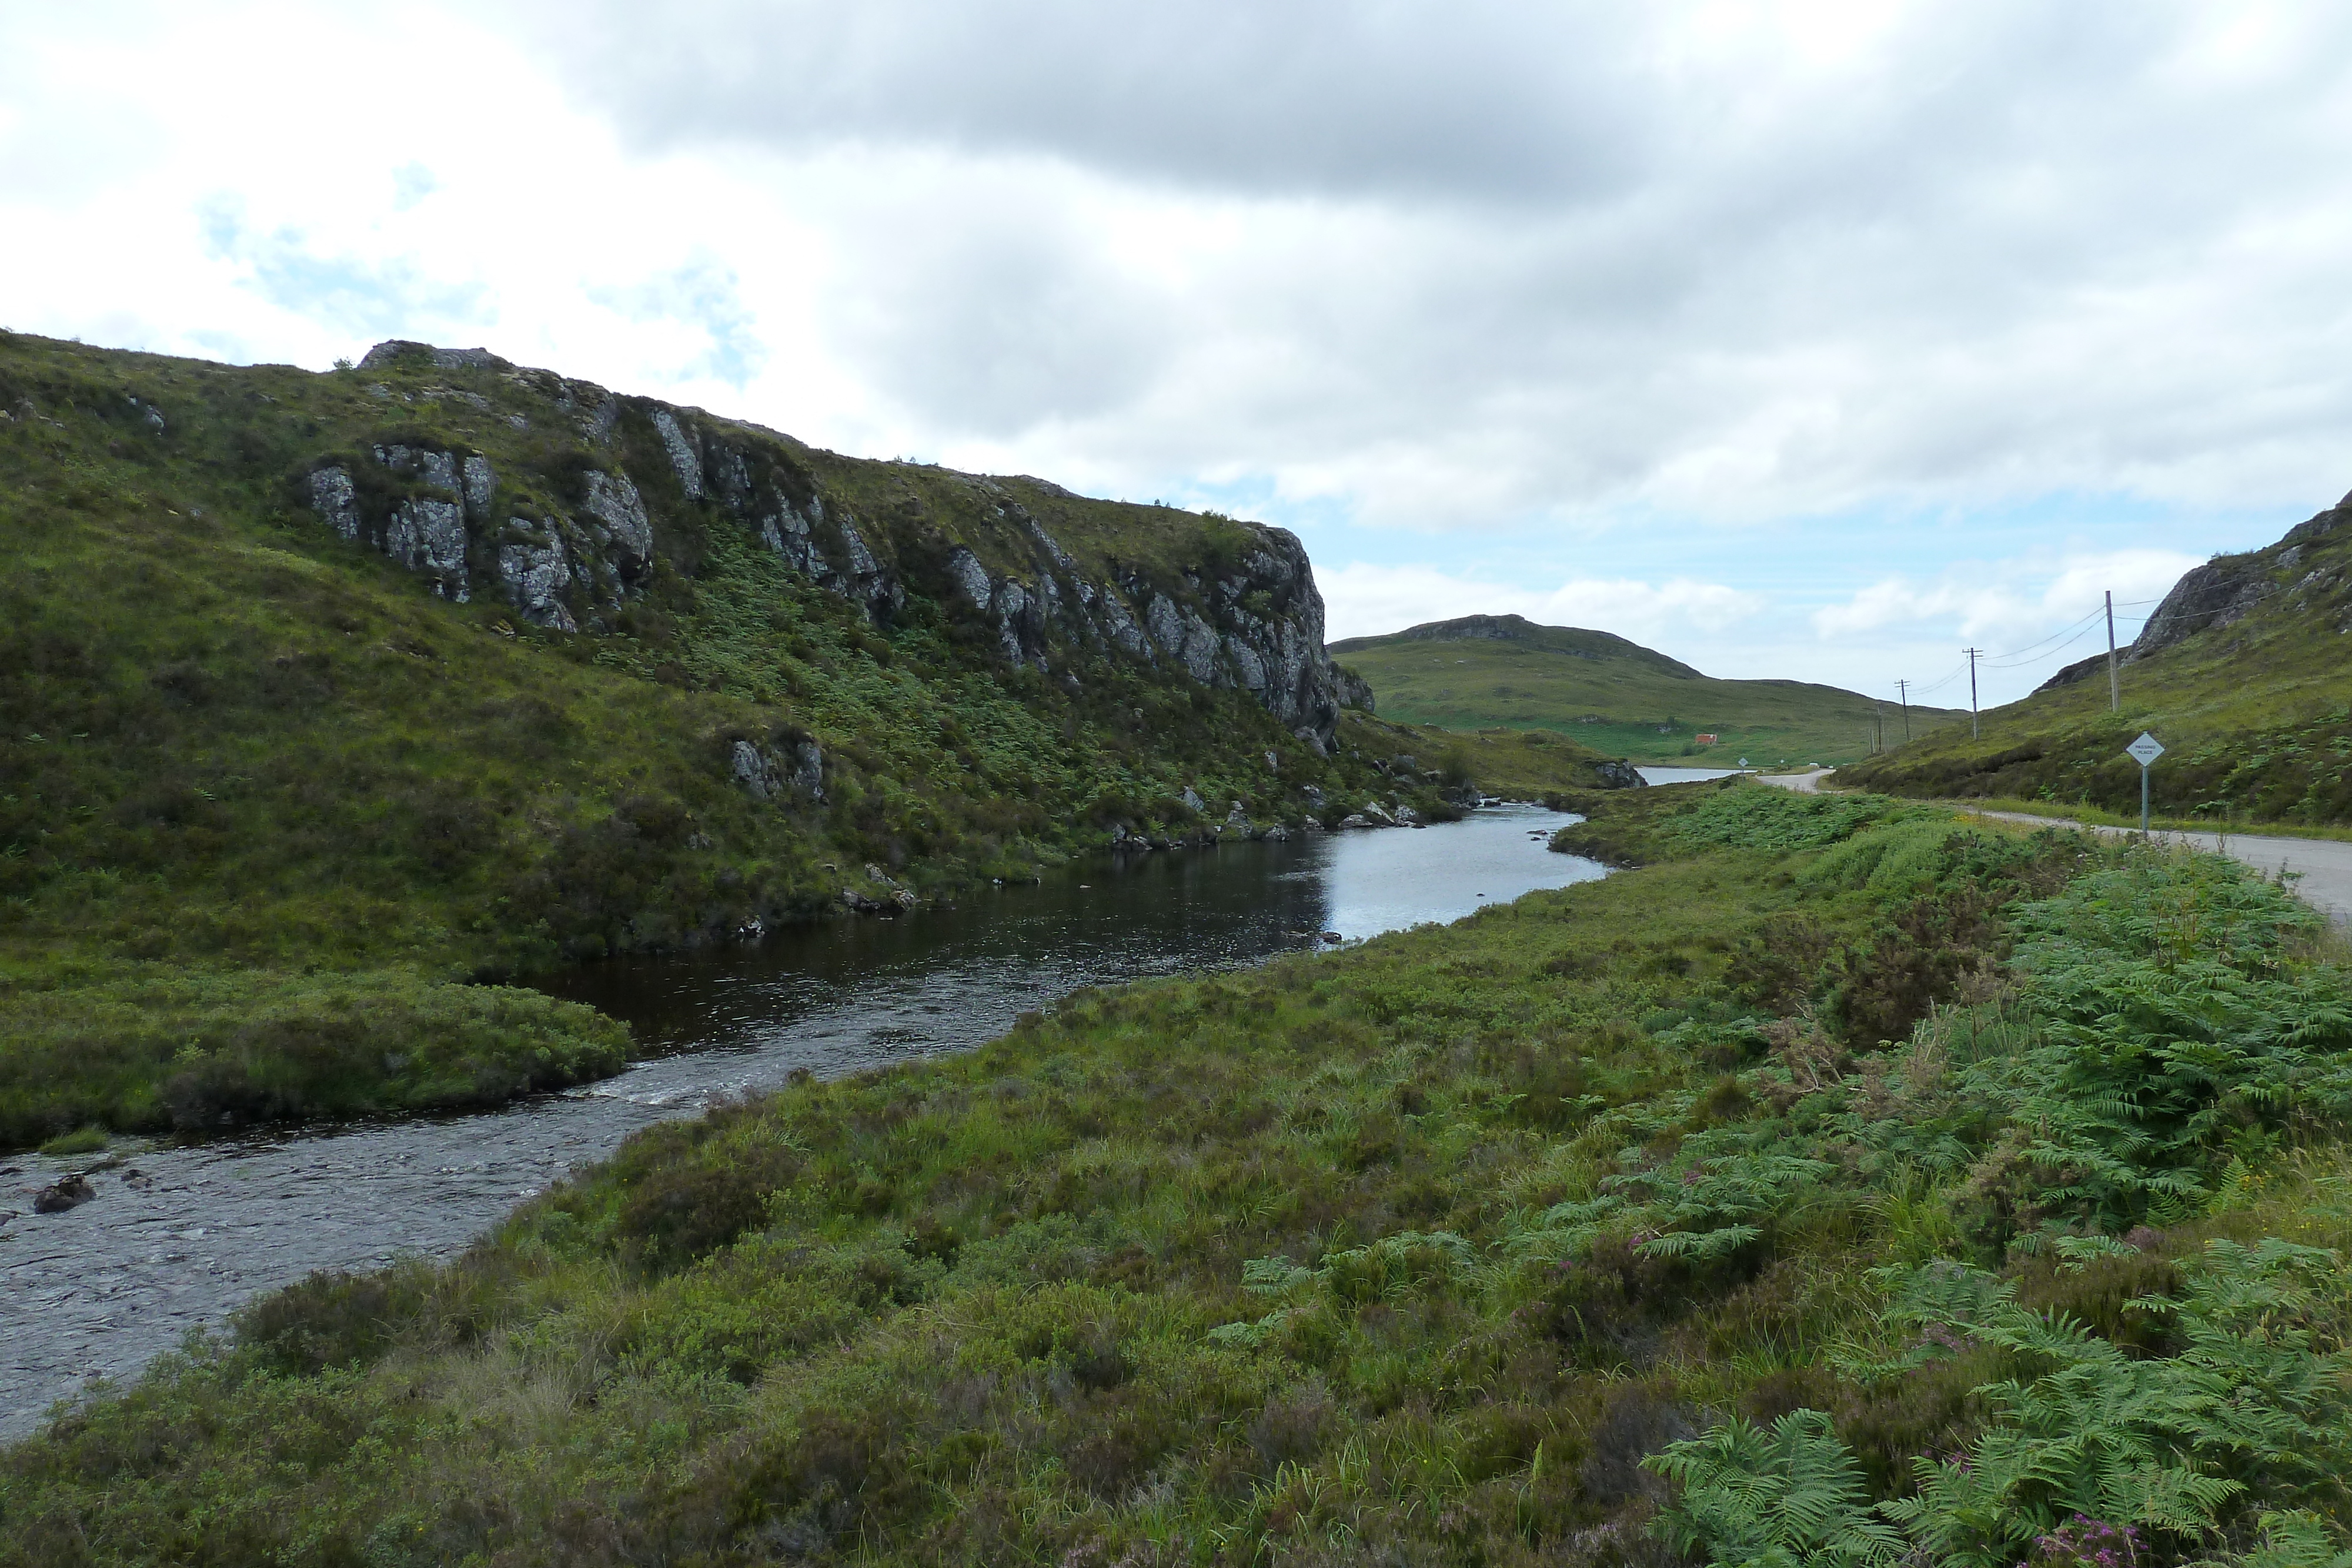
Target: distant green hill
x=1500 y=670
x=2244 y=673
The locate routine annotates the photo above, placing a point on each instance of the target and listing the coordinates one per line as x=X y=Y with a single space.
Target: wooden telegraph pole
x=2115 y=684
x=1903 y=694
x=1974 y=733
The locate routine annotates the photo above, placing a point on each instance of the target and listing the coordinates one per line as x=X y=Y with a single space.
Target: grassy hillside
x=1616 y=696
x=270 y=799
x=2243 y=674
x=1846 y=1186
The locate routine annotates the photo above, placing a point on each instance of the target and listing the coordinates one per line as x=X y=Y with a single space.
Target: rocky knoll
x=2228 y=588
x=562 y=500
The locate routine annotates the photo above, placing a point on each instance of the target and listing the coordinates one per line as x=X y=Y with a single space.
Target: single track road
x=2321 y=867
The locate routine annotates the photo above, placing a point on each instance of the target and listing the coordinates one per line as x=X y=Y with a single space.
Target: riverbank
x=325 y=698
x=1421 y=1248
x=181 y=1233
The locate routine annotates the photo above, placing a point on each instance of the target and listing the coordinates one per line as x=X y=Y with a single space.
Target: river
x=99 y=1292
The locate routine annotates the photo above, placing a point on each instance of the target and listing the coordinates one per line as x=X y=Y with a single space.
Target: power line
x=2010 y=663
x=2028 y=650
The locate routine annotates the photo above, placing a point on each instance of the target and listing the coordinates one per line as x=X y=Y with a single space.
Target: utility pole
x=1903 y=694
x=2115 y=684
x=1974 y=734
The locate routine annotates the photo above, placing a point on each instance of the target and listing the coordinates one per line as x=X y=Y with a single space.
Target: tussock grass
x=1469 y=1244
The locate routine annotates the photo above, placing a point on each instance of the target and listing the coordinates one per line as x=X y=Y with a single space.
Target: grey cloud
x=1511 y=262
x=1460 y=100
x=997 y=314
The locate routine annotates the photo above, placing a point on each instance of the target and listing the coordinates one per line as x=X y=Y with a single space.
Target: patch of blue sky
x=707 y=295
x=411 y=183
x=372 y=300
x=1796 y=561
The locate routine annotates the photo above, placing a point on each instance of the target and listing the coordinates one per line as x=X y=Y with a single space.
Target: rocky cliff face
x=2227 y=589
x=567 y=522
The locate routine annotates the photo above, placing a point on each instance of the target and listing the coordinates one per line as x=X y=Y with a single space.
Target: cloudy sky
x=1805 y=340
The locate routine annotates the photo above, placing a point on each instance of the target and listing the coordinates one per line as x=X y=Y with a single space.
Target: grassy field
x=1620 y=699
x=1848 y=1185
x=2254 y=708
x=273 y=818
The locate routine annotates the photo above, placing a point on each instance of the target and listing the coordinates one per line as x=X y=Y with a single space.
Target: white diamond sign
x=2146 y=750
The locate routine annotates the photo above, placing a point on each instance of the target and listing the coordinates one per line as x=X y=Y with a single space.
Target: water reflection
x=1686 y=775
x=105 y=1287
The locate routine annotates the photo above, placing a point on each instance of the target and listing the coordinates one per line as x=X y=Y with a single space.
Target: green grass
x=244 y=763
x=1436 y=1249
x=80 y=1140
x=2256 y=715
x=1620 y=699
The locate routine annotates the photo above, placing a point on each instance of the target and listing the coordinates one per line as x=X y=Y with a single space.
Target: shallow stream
x=99 y=1290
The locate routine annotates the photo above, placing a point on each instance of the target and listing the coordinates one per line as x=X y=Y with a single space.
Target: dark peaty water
x=102 y=1289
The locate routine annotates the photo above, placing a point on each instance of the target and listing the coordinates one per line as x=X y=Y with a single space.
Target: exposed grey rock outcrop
x=766 y=776
x=683 y=457
x=808 y=769
x=481 y=487
x=534 y=573
x=2225 y=591
x=399 y=351
x=424 y=533
x=1252 y=625
x=613 y=501
x=429 y=537
x=427 y=534
x=754 y=771
x=336 y=500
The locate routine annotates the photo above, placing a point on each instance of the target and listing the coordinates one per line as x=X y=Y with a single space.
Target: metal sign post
x=2144 y=750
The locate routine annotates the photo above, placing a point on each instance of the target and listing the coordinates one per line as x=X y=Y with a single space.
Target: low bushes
x=1289 y=1265
x=171 y=1048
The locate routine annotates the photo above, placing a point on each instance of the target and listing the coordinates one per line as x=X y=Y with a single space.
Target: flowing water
x=1684 y=775
x=179 y=1236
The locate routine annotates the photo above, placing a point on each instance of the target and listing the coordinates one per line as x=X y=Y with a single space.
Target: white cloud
x=1619 y=286
x=2020 y=604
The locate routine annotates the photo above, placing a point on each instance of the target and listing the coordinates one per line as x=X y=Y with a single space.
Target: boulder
x=70 y=1191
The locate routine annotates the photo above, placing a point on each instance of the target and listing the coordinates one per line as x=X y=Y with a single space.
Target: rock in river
x=70 y=1191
